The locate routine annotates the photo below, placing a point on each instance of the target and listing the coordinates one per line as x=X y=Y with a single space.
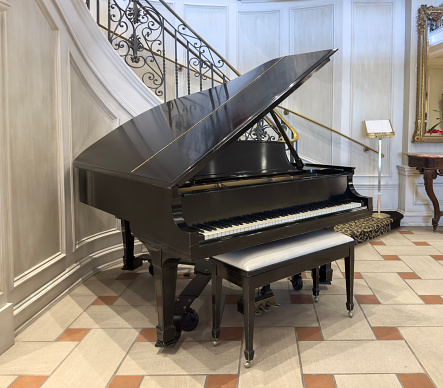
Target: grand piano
x=189 y=188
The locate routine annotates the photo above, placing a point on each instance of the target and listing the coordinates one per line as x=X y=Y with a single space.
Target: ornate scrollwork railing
x=167 y=54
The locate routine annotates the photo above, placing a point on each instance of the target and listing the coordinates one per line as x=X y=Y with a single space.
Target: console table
x=430 y=165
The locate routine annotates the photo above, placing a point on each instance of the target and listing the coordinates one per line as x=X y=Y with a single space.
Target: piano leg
x=165 y=278
x=130 y=262
x=248 y=317
x=349 y=273
x=326 y=274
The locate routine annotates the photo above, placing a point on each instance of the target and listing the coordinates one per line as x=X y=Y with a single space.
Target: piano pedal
x=274 y=304
x=265 y=308
x=262 y=304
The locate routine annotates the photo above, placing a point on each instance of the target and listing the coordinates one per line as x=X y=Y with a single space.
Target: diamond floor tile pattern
x=102 y=334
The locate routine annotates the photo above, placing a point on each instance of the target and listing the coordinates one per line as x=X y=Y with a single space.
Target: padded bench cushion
x=250 y=259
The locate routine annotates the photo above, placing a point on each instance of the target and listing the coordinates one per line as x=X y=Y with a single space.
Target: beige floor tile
x=173 y=381
x=390 y=288
x=337 y=274
x=101 y=287
x=420 y=229
x=366 y=251
x=300 y=315
x=426 y=343
x=367 y=381
x=424 y=266
x=404 y=315
x=113 y=272
x=378 y=266
x=431 y=236
x=140 y=292
x=406 y=250
x=437 y=245
x=337 y=287
x=5 y=381
x=34 y=358
x=344 y=357
x=335 y=323
x=276 y=362
x=426 y=286
x=118 y=317
x=94 y=361
x=186 y=358
x=57 y=319
x=395 y=238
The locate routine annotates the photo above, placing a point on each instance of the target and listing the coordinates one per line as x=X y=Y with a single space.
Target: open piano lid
x=171 y=142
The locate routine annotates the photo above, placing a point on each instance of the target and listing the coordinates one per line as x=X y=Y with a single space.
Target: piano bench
x=260 y=265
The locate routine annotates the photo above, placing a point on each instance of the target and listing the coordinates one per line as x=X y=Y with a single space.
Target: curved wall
x=62 y=87
x=59 y=78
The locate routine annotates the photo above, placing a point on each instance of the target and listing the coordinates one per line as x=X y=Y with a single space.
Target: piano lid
x=169 y=143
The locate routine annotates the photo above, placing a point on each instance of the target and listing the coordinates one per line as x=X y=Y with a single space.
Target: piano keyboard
x=241 y=224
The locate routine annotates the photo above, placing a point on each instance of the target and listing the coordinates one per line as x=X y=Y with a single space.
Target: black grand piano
x=189 y=189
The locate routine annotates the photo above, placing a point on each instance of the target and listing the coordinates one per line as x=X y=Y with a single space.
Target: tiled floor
x=103 y=333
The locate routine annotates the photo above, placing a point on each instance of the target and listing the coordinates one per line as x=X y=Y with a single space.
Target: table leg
x=429 y=175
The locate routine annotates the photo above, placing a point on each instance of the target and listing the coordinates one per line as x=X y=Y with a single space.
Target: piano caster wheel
x=189 y=320
x=297 y=282
x=247 y=364
x=151 y=269
x=350 y=314
x=215 y=342
x=316 y=299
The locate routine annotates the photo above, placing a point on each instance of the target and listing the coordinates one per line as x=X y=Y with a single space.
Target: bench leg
x=248 y=315
x=216 y=304
x=349 y=272
x=315 y=283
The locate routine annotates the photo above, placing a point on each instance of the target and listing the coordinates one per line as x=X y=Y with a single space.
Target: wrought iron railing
x=167 y=54
x=171 y=58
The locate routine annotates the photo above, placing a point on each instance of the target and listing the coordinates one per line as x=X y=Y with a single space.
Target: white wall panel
x=34 y=147
x=87 y=113
x=371 y=79
x=312 y=29
x=211 y=23
x=258 y=38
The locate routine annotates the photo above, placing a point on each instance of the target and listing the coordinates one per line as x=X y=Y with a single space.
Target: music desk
x=430 y=165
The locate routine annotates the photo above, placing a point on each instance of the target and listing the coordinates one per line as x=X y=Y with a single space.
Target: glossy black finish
x=168 y=144
x=130 y=262
x=160 y=200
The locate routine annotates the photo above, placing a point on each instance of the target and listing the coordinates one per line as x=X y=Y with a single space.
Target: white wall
x=62 y=87
x=364 y=80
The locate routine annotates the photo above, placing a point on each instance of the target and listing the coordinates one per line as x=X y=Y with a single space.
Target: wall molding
x=34 y=271
x=6 y=310
x=352 y=116
x=35 y=304
x=4 y=5
x=6 y=327
x=91 y=238
x=5 y=173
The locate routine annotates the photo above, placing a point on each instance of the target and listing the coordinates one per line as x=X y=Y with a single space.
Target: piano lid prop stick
x=293 y=152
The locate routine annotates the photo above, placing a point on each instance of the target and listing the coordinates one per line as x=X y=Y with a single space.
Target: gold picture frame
x=423 y=105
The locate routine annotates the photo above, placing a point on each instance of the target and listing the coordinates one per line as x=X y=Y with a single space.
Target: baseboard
x=6 y=327
x=416 y=219
x=33 y=306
